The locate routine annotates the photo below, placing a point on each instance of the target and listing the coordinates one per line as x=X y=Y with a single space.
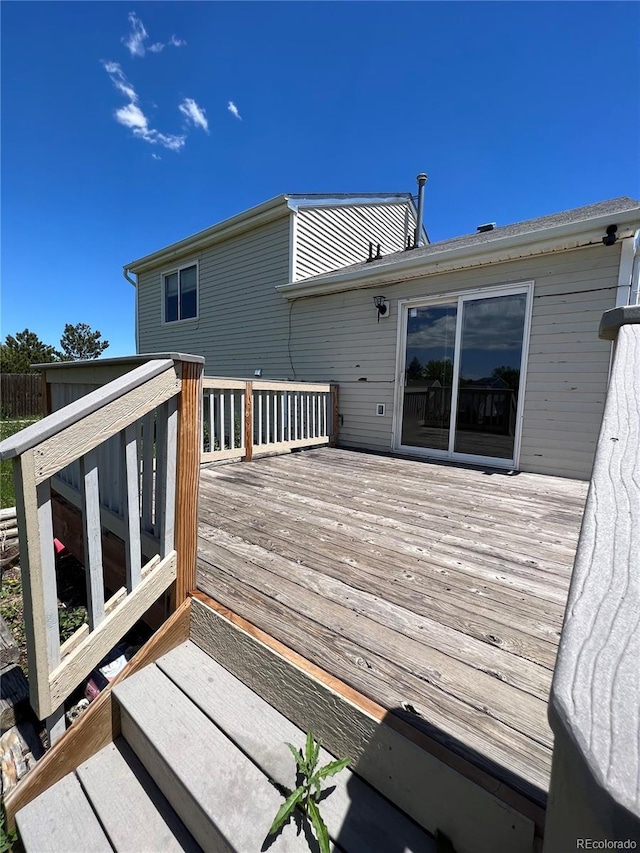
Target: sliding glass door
x=463 y=359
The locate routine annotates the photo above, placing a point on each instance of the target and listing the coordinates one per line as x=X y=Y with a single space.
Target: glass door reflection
x=489 y=363
x=428 y=383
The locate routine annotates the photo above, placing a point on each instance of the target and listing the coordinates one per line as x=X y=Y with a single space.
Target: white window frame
x=460 y=296
x=183 y=266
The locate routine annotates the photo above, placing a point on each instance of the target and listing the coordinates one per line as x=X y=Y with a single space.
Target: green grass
x=7 y=428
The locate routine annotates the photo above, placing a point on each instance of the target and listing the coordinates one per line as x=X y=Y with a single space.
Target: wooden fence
x=20 y=395
x=243 y=418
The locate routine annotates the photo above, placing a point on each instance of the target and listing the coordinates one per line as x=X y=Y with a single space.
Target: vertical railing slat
x=282 y=414
x=288 y=396
x=221 y=428
x=274 y=434
x=148 y=426
x=167 y=531
x=268 y=417
x=133 y=553
x=259 y=424
x=48 y=569
x=232 y=420
x=306 y=424
x=160 y=478
x=92 y=538
x=212 y=419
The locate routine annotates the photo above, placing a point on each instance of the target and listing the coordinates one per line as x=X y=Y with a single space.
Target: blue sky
x=513 y=109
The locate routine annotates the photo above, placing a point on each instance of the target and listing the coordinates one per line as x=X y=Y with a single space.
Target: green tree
x=440 y=369
x=80 y=342
x=18 y=353
x=414 y=370
x=511 y=375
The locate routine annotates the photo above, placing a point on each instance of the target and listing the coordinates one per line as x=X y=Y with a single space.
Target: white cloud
x=132 y=116
x=167 y=140
x=135 y=40
x=156 y=156
x=194 y=113
x=234 y=110
x=118 y=79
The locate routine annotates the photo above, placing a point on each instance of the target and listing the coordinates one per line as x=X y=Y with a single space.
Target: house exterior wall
x=242 y=322
x=328 y=238
x=336 y=337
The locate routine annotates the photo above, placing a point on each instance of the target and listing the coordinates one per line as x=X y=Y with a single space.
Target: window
x=181 y=294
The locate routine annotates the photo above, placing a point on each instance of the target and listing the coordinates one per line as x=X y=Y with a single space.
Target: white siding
x=329 y=238
x=336 y=337
x=242 y=322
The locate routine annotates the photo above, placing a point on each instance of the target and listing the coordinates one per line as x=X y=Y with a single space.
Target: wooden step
x=109 y=803
x=61 y=820
x=357 y=817
x=130 y=806
x=224 y=800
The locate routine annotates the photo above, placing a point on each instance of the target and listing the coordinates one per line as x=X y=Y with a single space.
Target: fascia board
x=296 y=203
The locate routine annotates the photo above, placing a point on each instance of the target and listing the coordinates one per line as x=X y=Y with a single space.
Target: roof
x=268 y=211
x=457 y=250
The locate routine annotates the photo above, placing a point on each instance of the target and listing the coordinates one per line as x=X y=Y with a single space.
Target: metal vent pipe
x=419 y=239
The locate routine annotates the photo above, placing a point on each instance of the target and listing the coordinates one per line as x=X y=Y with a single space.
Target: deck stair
x=200 y=764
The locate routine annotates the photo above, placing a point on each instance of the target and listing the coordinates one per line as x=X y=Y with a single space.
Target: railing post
x=188 y=478
x=335 y=415
x=248 y=422
x=37 y=561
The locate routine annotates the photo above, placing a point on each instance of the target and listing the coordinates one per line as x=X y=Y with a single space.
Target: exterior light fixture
x=382 y=306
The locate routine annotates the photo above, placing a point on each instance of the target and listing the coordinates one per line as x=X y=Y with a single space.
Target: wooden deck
x=438 y=591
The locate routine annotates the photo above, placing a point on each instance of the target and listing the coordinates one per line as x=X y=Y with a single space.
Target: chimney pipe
x=422 y=180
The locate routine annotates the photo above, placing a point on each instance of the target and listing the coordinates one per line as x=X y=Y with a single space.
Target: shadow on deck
x=436 y=591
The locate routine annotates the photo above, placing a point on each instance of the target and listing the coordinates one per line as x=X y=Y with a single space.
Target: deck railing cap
x=141 y=358
x=33 y=435
x=616 y=317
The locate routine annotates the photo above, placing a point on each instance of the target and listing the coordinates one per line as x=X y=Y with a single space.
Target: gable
x=330 y=237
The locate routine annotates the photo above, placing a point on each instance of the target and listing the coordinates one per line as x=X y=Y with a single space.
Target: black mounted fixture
x=611 y=237
x=382 y=306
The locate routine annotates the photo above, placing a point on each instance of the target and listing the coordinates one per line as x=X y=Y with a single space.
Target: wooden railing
x=136 y=437
x=242 y=418
x=595 y=698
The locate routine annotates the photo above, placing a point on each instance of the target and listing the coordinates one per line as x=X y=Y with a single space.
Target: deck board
x=436 y=590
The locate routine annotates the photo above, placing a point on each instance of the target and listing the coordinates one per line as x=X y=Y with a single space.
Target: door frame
x=460 y=296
